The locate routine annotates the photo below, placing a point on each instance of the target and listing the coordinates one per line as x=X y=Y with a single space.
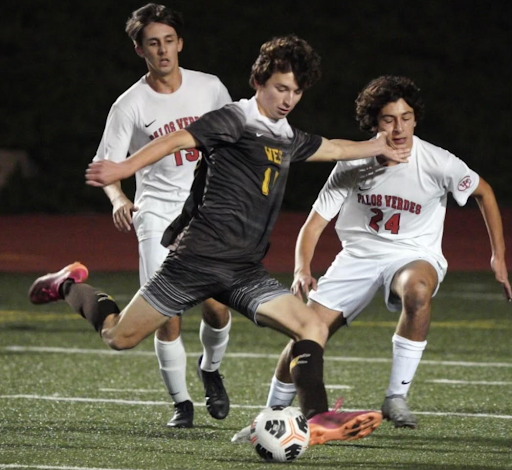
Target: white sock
x=215 y=342
x=406 y=358
x=173 y=364
x=280 y=393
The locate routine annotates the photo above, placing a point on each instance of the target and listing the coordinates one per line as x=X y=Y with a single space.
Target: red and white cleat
x=45 y=289
x=342 y=425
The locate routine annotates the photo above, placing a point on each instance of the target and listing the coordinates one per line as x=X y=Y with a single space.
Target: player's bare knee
x=417 y=297
x=117 y=341
x=314 y=330
x=216 y=317
x=170 y=330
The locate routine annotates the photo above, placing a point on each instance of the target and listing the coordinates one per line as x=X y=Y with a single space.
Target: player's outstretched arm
x=486 y=200
x=105 y=172
x=337 y=149
x=307 y=240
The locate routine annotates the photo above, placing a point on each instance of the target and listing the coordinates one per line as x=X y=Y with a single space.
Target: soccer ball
x=280 y=434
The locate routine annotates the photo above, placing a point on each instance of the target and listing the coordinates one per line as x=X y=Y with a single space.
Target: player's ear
x=138 y=50
x=180 y=44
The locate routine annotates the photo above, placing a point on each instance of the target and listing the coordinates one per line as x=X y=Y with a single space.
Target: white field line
x=55 y=467
x=43 y=349
x=166 y=403
x=466 y=382
x=132 y=390
x=329 y=387
x=160 y=390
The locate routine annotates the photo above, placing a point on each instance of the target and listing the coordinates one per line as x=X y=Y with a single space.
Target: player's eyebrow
x=393 y=115
x=167 y=36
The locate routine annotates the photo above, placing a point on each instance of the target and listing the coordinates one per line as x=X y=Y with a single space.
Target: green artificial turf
x=67 y=401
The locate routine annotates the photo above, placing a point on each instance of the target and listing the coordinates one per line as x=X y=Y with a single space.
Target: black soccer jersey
x=240 y=183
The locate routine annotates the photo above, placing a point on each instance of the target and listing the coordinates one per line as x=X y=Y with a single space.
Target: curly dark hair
x=381 y=91
x=287 y=54
x=153 y=13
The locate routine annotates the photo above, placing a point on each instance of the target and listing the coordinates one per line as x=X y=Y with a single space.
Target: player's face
x=398 y=120
x=160 y=48
x=280 y=94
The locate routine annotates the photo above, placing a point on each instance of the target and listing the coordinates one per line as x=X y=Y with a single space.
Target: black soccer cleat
x=217 y=400
x=183 y=415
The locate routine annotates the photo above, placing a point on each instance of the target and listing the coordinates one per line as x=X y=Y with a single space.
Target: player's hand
x=105 y=172
x=390 y=151
x=122 y=213
x=499 y=267
x=302 y=284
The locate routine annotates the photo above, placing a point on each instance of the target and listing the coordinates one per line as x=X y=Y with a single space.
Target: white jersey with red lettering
x=141 y=115
x=387 y=210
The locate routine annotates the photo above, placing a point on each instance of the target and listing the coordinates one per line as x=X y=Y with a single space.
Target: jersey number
x=269 y=180
x=392 y=224
x=191 y=155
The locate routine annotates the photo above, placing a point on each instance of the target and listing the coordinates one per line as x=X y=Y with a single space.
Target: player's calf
x=67 y=284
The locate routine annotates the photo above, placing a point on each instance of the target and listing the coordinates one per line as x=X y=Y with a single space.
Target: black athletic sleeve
x=218 y=128
x=304 y=145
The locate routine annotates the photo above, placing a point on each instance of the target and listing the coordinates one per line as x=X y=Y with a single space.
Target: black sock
x=307 y=371
x=89 y=302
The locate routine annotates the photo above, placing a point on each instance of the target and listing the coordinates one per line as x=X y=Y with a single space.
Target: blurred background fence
x=64 y=63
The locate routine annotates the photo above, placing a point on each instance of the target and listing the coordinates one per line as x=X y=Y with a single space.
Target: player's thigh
x=264 y=300
x=348 y=286
x=292 y=317
x=137 y=321
x=245 y=290
x=333 y=319
x=180 y=284
x=151 y=256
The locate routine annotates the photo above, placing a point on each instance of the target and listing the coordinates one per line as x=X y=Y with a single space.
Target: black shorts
x=182 y=283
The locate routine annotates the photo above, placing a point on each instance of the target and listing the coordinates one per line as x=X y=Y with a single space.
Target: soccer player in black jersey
x=218 y=242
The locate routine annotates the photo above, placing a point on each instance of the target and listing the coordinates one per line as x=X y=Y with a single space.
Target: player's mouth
x=400 y=140
x=283 y=111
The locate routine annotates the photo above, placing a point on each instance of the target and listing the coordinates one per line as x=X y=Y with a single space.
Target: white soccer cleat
x=243 y=436
x=395 y=409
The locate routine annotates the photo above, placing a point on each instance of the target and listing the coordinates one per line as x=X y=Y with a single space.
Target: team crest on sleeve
x=465 y=183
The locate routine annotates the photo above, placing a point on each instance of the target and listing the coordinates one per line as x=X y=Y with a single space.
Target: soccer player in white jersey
x=166 y=99
x=390 y=222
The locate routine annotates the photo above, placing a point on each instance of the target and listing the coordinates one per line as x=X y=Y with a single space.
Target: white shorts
x=350 y=283
x=151 y=256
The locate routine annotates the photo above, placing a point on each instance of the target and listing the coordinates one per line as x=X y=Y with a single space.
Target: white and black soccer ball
x=280 y=434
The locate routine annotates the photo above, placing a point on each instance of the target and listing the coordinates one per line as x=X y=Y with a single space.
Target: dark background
x=64 y=63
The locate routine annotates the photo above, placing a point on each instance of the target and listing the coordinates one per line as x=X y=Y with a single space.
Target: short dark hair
x=381 y=91
x=287 y=54
x=153 y=13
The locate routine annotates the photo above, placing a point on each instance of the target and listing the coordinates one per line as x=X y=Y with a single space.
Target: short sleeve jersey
x=385 y=210
x=141 y=115
x=240 y=184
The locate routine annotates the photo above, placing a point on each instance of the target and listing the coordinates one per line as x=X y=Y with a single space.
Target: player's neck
x=165 y=83
x=385 y=162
